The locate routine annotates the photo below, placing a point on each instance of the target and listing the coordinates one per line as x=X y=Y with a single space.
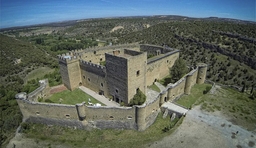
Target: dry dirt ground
x=207 y=130
x=57 y=89
x=198 y=130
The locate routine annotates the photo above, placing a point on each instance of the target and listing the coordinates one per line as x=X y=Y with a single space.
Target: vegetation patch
x=38 y=73
x=154 y=87
x=72 y=97
x=101 y=138
x=197 y=91
x=234 y=104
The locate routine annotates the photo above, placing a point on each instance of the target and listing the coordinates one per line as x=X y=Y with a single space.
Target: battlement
x=67 y=58
x=86 y=63
x=157 y=58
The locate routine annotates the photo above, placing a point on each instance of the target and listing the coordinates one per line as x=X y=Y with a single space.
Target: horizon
x=15 y=13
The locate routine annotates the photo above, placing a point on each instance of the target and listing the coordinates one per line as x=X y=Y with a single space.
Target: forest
x=228 y=47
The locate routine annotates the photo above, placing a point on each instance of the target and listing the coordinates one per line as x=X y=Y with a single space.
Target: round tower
x=81 y=111
x=140 y=118
x=202 y=68
x=188 y=84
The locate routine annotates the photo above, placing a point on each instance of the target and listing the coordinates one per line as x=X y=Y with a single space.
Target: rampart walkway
x=100 y=98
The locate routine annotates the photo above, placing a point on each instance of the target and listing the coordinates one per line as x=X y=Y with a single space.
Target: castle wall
x=146 y=114
x=94 y=77
x=41 y=92
x=97 y=54
x=111 y=117
x=177 y=89
x=47 y=110
x=158 y=67
x=153 y=49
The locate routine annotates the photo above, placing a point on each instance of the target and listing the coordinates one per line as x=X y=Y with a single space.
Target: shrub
x=138 y=99
x=49 y=101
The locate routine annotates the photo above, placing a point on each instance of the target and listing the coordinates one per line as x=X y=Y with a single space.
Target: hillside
x=18 y=59
x=16 y=56
x=228 y=48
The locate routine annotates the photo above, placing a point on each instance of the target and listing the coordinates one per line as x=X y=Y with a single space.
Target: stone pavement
x=151 y=96
x=100 y=98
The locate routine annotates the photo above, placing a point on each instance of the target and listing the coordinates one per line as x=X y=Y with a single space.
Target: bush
x=49 y=101
x=207 y=89
x=138 y=99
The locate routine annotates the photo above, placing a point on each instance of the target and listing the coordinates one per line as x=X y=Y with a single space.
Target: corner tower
x=202 y=69
x=70 y=71
x=126 y=74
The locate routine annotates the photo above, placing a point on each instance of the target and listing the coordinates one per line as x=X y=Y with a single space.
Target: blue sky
x=28 y=12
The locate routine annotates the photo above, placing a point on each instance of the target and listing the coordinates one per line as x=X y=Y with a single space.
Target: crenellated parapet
x=90 y=64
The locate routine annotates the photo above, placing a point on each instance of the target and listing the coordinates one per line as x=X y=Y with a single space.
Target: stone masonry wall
x=117 y=72
x=137 y=74
x=159 y=68
x=94 y=77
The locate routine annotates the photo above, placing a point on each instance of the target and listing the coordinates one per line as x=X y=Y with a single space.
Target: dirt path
x=204 y=130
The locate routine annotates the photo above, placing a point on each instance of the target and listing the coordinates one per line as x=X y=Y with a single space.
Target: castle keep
x=116 y=72
x=125 y=71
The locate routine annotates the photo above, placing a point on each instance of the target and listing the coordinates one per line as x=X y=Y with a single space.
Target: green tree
x=179 y=69
x=138 y=99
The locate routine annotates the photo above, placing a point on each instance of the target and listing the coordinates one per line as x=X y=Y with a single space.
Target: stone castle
x=116 y=72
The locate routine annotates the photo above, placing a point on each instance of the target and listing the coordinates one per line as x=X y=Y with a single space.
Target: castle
x=116 y=72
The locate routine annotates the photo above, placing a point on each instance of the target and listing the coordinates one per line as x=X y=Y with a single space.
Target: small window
x=138 y=73
x=137 y=90
x=111 y=117
x=89 y=79
x=67 y=116
x=101 y=59
x=37 y=113
x=84 y=77
x=129 y=117
x=90 y=61
x=167 y=61
x=94 y=52
x=101 y=84
x=116 y=90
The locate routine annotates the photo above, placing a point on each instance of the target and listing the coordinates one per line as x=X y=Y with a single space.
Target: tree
x=138 y=99
x=179 y=69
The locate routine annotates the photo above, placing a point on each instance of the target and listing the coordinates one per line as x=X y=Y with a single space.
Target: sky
x=30 y=12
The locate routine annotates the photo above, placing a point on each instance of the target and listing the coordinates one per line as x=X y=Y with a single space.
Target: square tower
x=126 y=74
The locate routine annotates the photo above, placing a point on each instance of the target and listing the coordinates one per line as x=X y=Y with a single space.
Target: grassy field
x=72 y=97
x=155 y=88
x=237 y=106
x=101 y=138
x=38 y=73
x=197 y=91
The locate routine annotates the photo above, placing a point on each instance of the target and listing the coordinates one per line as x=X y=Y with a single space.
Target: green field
x=154 y=87
x=101 y=138
x=38 y=73
x=197 y=91
x=72 y=97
